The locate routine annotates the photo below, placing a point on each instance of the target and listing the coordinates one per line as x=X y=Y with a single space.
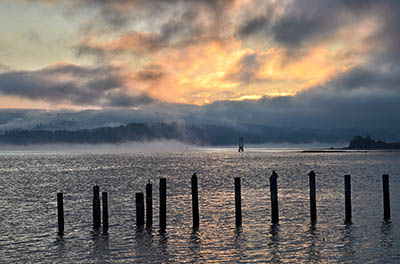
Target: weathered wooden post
x=139 y=210
x=386 y=197
x=60 y=211
x=149 y=205
x=238 y=202
x=313 y=202
x=273 y=181
x=96 y=207
x=104 y=197
x=163 y=204
x=347 y=197
x=195 y=201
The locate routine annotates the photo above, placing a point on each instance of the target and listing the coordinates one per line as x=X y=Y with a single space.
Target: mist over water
x=30 y=180
x=126 y=147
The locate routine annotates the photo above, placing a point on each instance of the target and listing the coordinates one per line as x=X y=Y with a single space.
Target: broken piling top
x=273 y=177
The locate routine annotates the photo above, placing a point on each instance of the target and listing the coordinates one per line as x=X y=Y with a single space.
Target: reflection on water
x=312 y=245
x=195 y=246
x=29 y=183
x=99 y=247
x=274 y=245
x=347 y=239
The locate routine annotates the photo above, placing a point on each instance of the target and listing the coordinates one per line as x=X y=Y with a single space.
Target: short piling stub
x=313 y=203
x=139 y=210
x=104 y=197
x=60 y=214
x=96 y=207
x=347 y=197
x=163 y=204
x=149 y=205
x=273 y=181
x=386 y=197
x=195 y=201
x=238 y=202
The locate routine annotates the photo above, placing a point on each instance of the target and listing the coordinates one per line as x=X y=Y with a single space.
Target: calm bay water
x=29 y=182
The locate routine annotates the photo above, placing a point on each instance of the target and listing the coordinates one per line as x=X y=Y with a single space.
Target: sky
x=289 y=62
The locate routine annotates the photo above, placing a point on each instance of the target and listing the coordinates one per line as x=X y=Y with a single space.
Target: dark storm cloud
x=121 y=99
x=100 y=86
x=308 y=20
x=375 y=77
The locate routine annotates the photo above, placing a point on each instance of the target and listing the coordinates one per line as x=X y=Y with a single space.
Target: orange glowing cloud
x=204 y=68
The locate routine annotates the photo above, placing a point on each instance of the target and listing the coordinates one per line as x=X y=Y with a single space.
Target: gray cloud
x=4 y=68
x=151 y=73
x=247 y=68
x=78 y=85
x=308 y=20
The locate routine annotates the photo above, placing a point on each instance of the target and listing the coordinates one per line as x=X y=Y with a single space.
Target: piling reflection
x=195 y=246
x=386 y=235
x=146 y=247
x=163 y=245
x=100 y=246
x=313 y=253
x=274 y=245
x=60 y=246
x=348 y=241
x=240 y=244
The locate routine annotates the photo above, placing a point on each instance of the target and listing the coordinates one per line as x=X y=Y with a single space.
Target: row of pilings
x=141 y=207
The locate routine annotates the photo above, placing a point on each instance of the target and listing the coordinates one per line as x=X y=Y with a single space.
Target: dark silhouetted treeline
x=190 y=134
x=359 y=142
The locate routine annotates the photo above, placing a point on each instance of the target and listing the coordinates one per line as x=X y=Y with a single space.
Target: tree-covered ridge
x=359 y=142
x=186 y=133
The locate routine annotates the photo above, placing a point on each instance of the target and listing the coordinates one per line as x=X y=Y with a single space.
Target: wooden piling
x=238 y=202
x=96 y=207
x=386 y=197
x=60 y=211
x=149 y=205
x=104 y=197
x=163 y=204
x=139 y=210
x=273 y=181
x=313 y=203
x=195 y=201
x=347 y=197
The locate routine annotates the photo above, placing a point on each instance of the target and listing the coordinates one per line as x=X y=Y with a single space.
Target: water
x=29 y=182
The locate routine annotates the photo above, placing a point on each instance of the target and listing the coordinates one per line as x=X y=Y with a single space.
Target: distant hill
x=359 y=142
x=186 y=133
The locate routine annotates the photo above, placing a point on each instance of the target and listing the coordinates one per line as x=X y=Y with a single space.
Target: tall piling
x=313 y=202
x=60 y=214
x=238 y=202
x=195 y=201
x=104 y=197
x=273 y=181
x=96 y=207
x=347 y=197
x=149 y=205
x=386 y=197
x=139 y=210
x=163 y=204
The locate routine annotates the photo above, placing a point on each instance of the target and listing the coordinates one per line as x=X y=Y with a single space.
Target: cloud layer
x=72 y=84
x=308 y=63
